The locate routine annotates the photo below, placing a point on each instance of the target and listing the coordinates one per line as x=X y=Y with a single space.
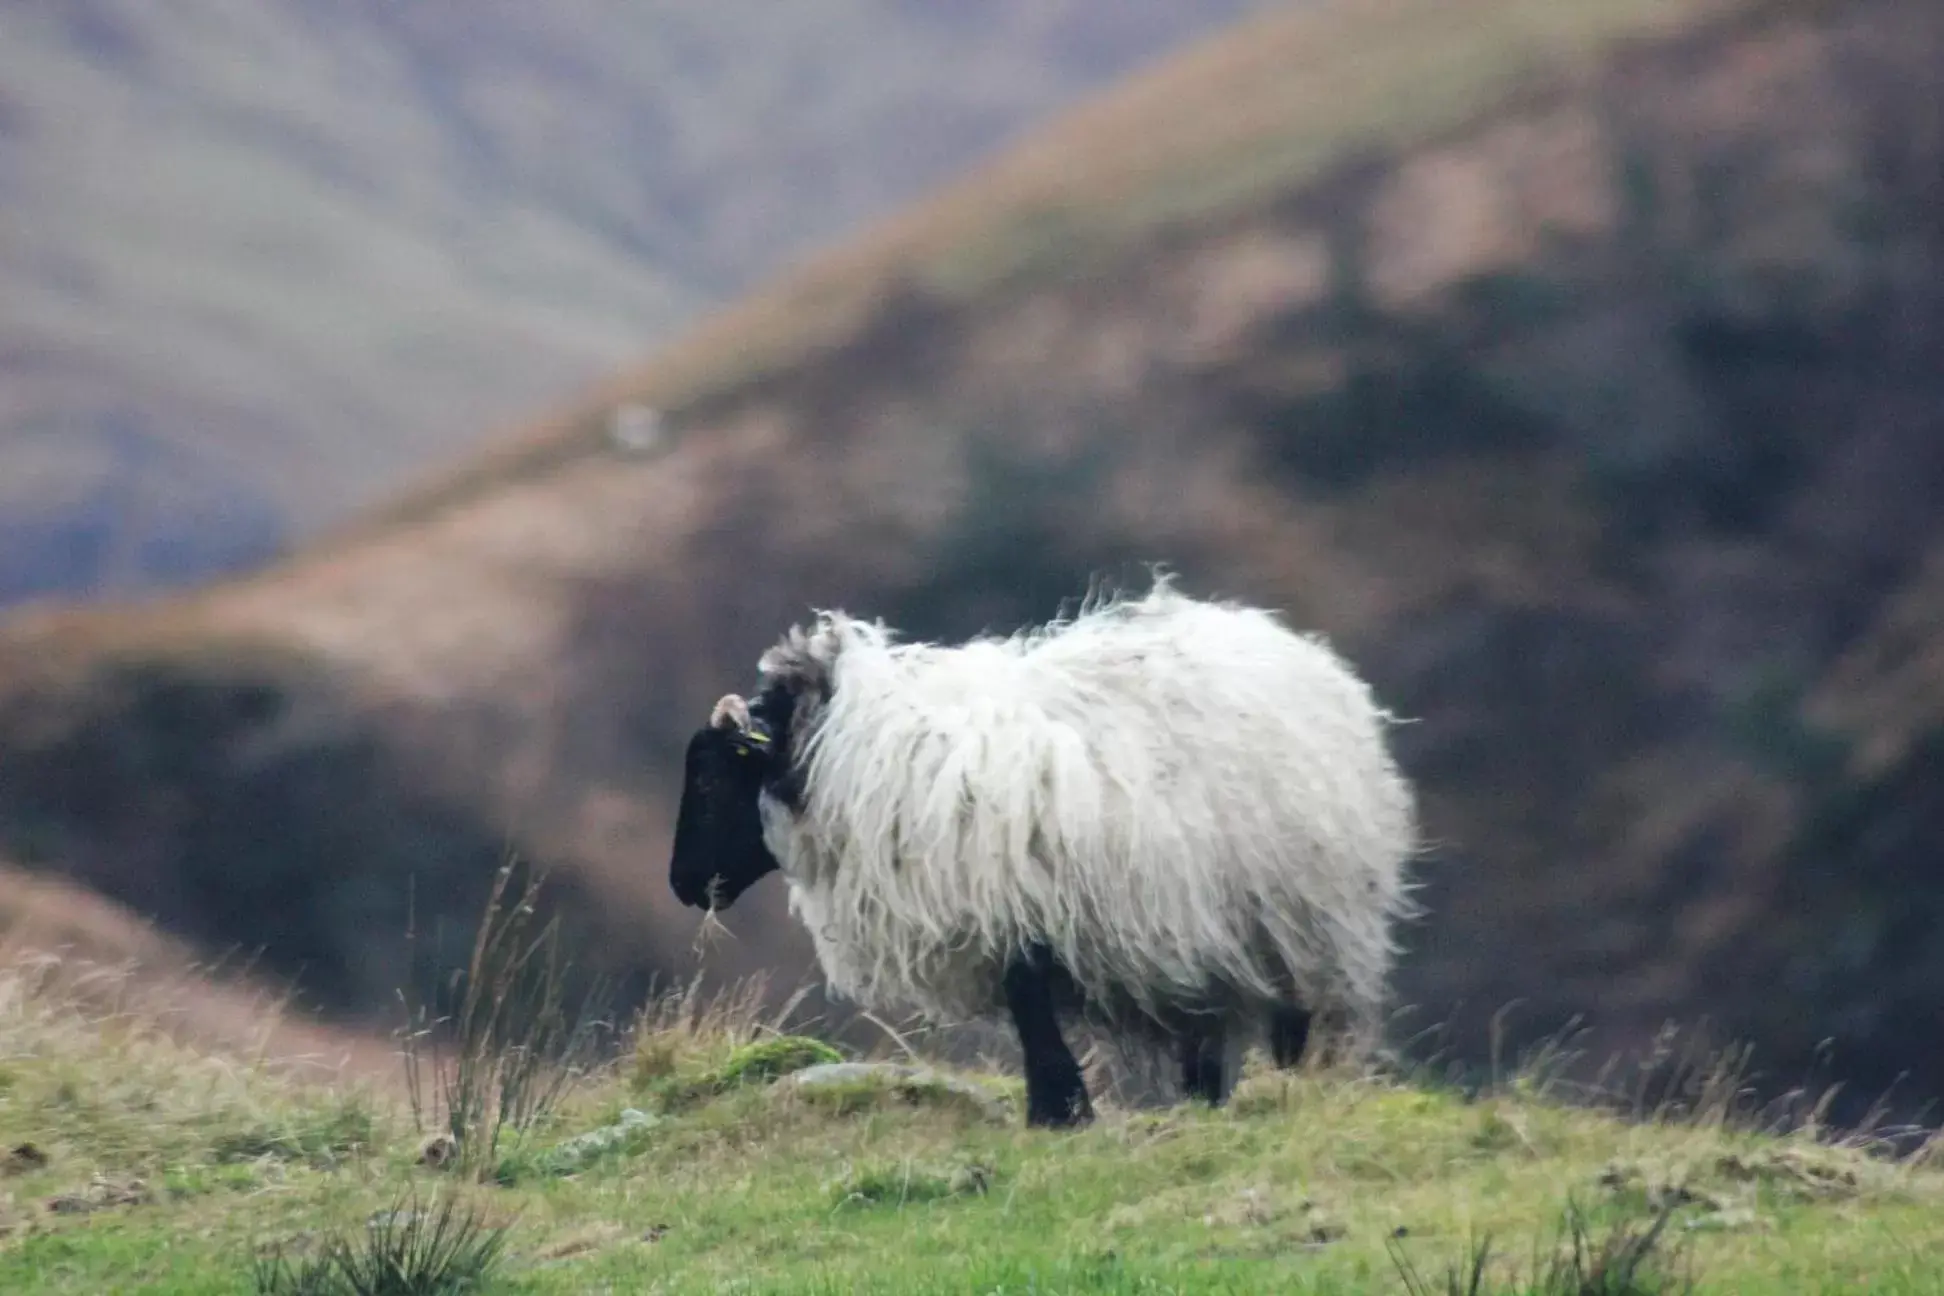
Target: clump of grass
x=1627 y=1262
x=321 y=1138
x=749 y=1065
x=769 y=1060
x=919 y=1087
x=200 y=1181
x=405 y=1251
x=515 y=1050
x=902 y=1183
x=688 y=1050
x=672 y=1029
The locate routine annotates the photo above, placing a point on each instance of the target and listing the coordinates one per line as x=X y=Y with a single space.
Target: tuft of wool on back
x=1188 y=802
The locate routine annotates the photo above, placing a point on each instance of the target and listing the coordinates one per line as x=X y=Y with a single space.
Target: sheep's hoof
x=1062 y=1111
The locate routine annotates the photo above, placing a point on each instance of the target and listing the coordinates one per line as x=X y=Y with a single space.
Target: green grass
x=186 y=1173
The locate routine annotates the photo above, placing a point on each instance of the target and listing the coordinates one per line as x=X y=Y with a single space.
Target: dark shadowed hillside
x=1573 y=367
x=262 y=257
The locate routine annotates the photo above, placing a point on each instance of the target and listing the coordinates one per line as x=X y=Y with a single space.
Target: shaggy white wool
x=1188 y=802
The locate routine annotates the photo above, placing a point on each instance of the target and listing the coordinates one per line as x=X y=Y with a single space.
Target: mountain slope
x=1598 y=421
x=261 y=257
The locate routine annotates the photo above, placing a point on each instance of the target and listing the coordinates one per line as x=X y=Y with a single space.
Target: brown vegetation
x=101 y=960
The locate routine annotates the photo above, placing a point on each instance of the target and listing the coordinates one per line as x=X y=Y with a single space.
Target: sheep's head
x=719 y=851
x=747 y=749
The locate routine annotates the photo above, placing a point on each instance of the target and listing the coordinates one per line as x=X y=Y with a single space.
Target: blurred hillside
x=1573 y=366
x=261 y=257
x=102 y=957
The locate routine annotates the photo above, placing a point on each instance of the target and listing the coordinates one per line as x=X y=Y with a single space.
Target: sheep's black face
x=719 y=851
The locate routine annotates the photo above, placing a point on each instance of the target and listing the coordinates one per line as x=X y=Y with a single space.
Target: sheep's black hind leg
x=1203 y=1063
x=1056 y=1095
x=1289 y=1032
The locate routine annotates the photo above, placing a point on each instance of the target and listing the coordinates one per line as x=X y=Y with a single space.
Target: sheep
x=1176 y=818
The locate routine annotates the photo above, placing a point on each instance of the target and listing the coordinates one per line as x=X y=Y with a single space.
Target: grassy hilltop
x=693 y=1161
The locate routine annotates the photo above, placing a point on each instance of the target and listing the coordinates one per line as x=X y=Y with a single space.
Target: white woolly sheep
x=1178 y=817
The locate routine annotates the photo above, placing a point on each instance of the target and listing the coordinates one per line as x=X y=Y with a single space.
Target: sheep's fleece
x=1190 y=804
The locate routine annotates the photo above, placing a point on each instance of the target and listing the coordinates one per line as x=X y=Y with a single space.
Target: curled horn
x=731 y=712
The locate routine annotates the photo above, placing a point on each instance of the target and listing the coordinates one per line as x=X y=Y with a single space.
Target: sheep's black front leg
x=1289 y=1031
x=1056 y=1095
x=1202 y=1064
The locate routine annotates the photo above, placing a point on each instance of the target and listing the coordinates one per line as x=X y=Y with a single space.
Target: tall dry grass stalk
x=497 y=1053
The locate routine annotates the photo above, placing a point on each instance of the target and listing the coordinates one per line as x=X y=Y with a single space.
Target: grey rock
x=571 y=1154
